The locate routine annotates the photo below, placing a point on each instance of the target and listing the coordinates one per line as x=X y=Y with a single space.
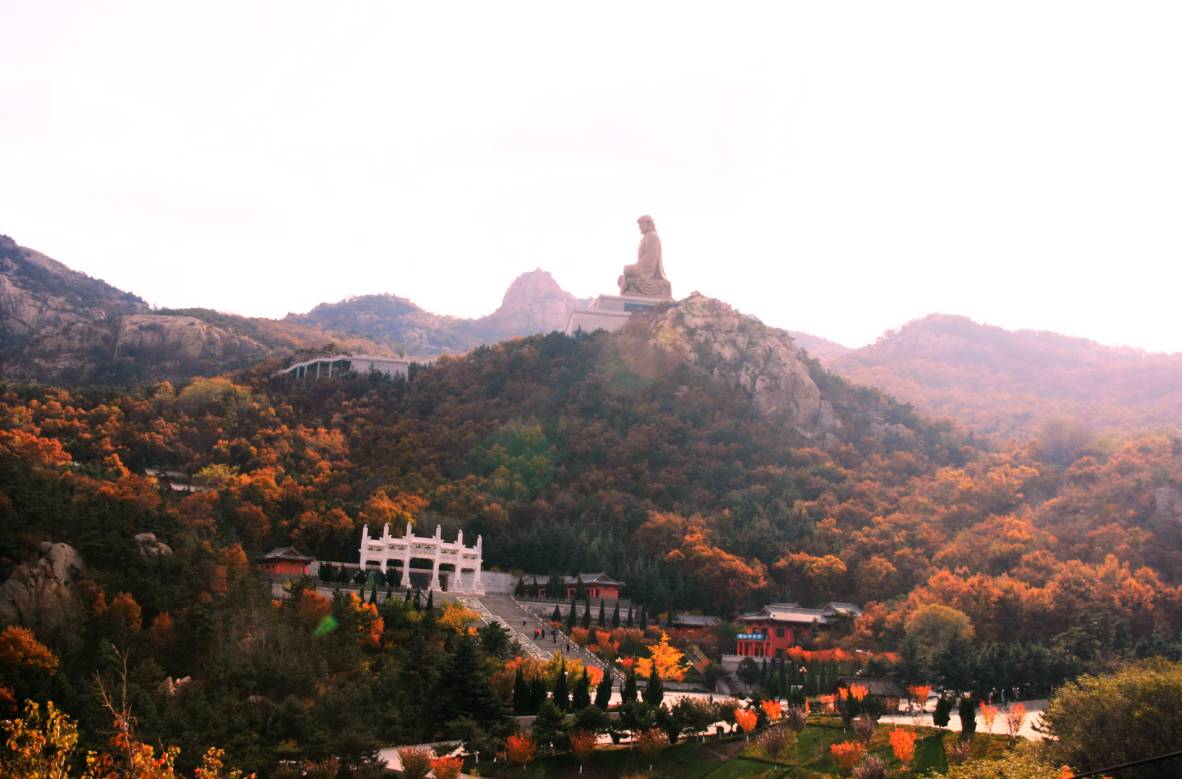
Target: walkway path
x=521 y=625
x=1034 y=710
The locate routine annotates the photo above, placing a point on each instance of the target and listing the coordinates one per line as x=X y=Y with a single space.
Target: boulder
x=150 y=546
x=41 y=594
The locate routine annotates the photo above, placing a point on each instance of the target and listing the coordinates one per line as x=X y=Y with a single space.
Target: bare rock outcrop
x=748 y=355
x=41 y=594
x=180 y=337
x=150 y=546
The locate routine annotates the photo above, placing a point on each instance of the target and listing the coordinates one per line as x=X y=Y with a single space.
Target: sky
x=835 y=168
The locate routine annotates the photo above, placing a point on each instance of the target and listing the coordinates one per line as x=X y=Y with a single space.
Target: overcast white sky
x=838 y=168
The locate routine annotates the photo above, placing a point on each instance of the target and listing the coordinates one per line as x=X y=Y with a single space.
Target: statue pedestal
x=609 y=312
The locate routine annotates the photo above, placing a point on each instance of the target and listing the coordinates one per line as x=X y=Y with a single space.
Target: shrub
x=446 y=767
x=416 y=763
x=776 y=743
x=870 y=768
x=796 y=718
x=521 y=749
x=903 y=745
x=864 y=727
x=847 y=754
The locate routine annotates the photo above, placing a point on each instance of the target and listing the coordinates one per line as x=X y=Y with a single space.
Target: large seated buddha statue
x=646 y=277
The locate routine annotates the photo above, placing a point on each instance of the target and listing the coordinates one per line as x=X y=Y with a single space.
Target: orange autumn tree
x=446 y=767
x=847 y=754
x=919 y=693
x=903 y=745
x=746 y=719
x=582 y=744
x=988 y=715
x=669 y=661
x=1015 y=718
x=20 y=650
x=521 y=749
x=772 y=710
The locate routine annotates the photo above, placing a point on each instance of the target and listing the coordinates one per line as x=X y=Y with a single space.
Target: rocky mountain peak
x=748 y=356
x=533 y=303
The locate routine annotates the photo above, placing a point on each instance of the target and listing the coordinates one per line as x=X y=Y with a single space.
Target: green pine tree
x=521 y=702
x=561 y=690
x=549 y=726
x=629 y=623
x=602 y=621
x=628 y=694
x=603 y=692
x=464 y=687
x=581 y=696
x=654 y=693
x=557 y=615
x=616 y=616
x=537 y=693
x=643 y=618
x=587 y=615
x=571 y=617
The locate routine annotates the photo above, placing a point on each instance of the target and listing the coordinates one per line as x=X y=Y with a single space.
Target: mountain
x=533 y=303
x=63 y=326
x=1003 y=383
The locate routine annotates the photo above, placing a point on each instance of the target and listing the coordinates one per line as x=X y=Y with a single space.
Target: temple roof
x=795 y=614
x=288 y=554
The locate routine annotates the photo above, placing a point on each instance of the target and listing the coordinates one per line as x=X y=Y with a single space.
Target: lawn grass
x=733 y=758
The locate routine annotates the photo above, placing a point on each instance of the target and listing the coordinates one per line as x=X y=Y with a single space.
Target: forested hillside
x=656 y=454
x=1009 y=384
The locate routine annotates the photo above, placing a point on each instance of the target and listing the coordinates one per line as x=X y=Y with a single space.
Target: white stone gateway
x=387 y=549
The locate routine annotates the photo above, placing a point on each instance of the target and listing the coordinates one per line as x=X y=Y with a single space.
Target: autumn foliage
x=903 y=745
x=847 y=754
x=521 y=749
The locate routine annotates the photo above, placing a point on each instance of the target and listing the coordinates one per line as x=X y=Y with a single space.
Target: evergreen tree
x=943 y=713
x=561 y=690
x=628 y=694
x=602 y=621
x=587 y=615
x=521 y=701
x=519 y=588
x=616 y=616
x=968 y=718
x=557 y=615
x=431 y=601
x=537 y=693
x=550 y=725
x=406 y=597
x=603 y=693
x=326 y=572
x=654 y=693
x=464 y=688
x=629 y=623
x=571 y=617
x=373 y=593
x=643 y=618
x=581 y=696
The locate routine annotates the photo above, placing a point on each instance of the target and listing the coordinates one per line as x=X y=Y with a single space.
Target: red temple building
x=776 y=627
x=595 y=586
x=284 y=561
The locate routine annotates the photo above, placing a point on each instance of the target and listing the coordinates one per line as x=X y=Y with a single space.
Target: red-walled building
x=596 y=586
x=284 y=561
x=778 y=626
x=693 y=627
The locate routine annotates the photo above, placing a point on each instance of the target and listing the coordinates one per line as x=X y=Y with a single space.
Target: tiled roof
x=696 y=621
x=286 y=553
x=598 y=577
x=796 y=614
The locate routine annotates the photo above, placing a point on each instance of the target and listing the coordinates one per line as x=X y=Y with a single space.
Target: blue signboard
x=751 y=636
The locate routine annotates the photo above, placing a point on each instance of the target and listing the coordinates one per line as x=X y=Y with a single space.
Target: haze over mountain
x=61 y=325
x=1003 y=383
x=533 y=303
